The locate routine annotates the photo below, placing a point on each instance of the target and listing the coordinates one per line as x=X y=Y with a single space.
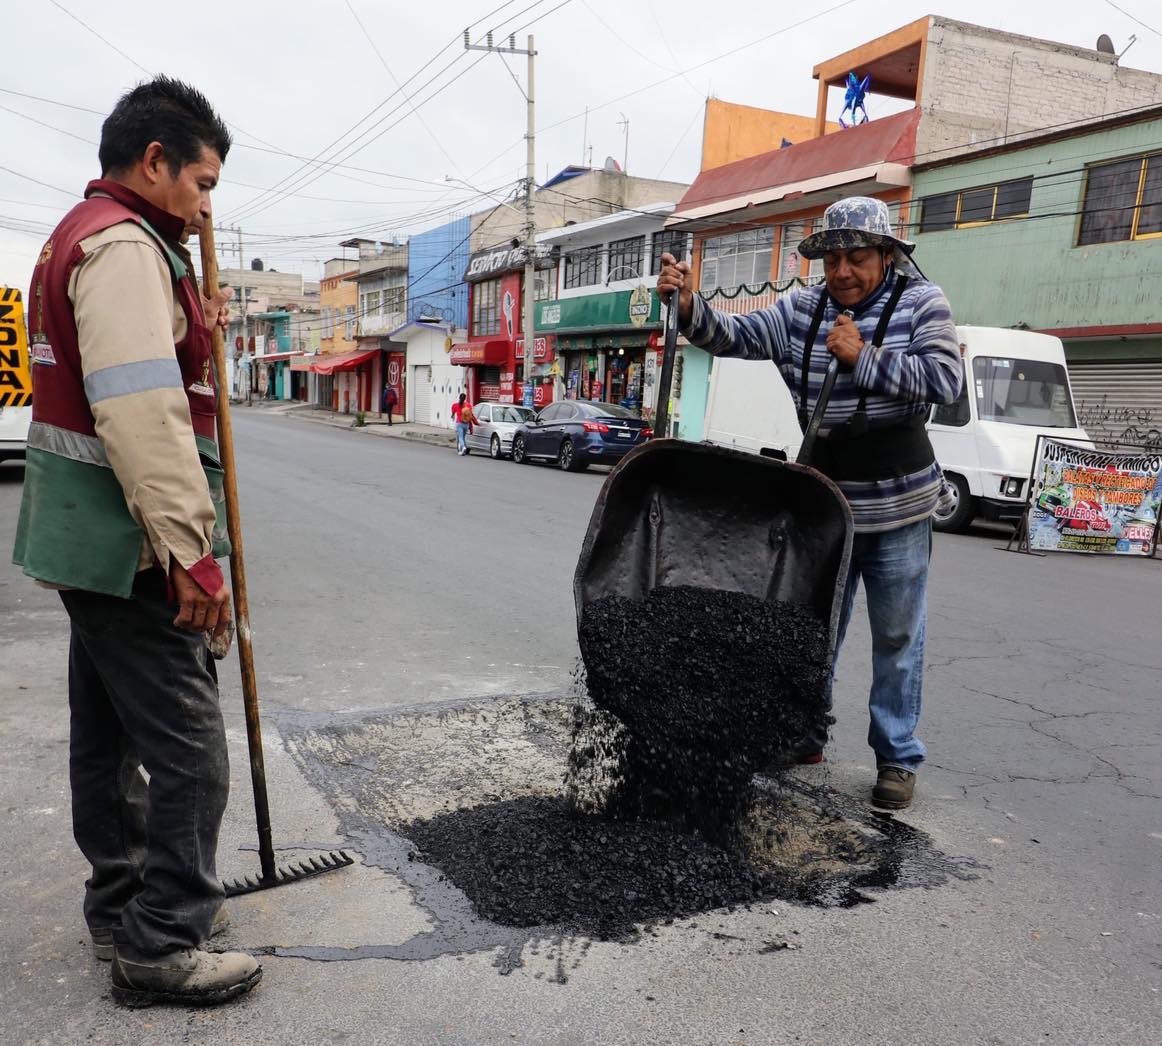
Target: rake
x=269 y=875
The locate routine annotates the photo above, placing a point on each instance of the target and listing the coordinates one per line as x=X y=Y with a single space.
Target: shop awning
x=277 y=357
x=343 y=361
x=492 y=353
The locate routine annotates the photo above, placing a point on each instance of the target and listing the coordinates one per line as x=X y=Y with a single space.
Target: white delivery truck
x=1016 y=386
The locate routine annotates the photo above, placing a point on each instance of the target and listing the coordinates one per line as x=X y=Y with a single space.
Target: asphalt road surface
x=415 y=642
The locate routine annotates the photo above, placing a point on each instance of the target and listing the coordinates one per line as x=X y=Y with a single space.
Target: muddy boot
x=103 y=938
x=189 y=977
x=894 y=787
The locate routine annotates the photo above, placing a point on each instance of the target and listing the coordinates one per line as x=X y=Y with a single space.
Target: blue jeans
x=894 y=568
x=461 y=435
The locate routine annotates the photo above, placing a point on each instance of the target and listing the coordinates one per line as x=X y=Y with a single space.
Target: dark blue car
x=578 y=433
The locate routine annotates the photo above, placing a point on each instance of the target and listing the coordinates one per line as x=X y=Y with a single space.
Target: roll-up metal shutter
x=1119 y=402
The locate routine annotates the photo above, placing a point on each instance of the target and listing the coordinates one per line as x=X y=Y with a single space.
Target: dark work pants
x=144 y=694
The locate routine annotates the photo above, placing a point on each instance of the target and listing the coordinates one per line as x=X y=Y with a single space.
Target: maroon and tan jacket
x=122 y=457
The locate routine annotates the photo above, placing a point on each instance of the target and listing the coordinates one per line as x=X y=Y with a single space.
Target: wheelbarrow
x=675 y=513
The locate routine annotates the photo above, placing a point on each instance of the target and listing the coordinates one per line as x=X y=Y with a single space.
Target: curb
x=376 y=429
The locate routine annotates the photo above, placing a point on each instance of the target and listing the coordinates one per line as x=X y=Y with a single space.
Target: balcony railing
x=748 y=298
x=381 y=322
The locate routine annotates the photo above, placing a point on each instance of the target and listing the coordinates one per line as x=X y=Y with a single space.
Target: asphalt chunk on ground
x=710 y=687
x=691 y=692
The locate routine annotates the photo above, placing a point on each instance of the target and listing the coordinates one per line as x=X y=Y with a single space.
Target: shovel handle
x=666 y=378
x=812 y=433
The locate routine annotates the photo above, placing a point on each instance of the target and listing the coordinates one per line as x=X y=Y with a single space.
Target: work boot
x=188 y=977
x=796 y=757
x=103 y=938
x=894 y=788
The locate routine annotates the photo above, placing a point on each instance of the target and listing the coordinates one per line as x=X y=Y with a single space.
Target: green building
x=1061 y=232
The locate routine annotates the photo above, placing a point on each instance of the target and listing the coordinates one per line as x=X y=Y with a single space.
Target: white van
x=14 y=422
x=1016 y=385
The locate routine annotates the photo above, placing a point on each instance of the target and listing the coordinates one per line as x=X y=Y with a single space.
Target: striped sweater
x=918 y=364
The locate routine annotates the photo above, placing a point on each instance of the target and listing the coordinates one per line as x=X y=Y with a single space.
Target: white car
x=14 y=422
x=495 y=425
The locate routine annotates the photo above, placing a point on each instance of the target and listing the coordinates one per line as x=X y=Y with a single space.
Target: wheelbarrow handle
x=812 y=433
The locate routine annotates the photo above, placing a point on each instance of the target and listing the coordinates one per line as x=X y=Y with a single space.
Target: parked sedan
x=579 y=433
x=495 y=425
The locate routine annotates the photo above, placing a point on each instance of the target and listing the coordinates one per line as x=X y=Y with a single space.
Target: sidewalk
x=374 y=425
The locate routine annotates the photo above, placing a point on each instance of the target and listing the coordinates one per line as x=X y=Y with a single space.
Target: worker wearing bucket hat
x=892 y=332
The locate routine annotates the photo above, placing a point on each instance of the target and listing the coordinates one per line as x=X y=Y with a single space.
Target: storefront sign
x=1093 y=501
x=484 y=264
x=610 y=311
x=542 y=349
x=639 y=306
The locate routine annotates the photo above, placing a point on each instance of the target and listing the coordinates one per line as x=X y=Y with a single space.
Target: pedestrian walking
x=123 y=512
x=390 y=399
x=892 y=332
x=465 y=419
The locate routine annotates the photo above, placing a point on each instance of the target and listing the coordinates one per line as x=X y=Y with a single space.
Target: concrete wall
x=337 y=293
x=1030 y=271
x=734 y=132
x=436 y=263
x=426 y=348
x=981 y=85
x=579 y=199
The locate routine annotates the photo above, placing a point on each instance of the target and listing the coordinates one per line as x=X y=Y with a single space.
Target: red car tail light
x=594 y=426
x=647 y=433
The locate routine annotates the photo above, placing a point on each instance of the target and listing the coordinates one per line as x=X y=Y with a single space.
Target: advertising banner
x=1094 y=501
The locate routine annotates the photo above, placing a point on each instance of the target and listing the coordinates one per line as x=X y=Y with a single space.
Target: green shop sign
x=614 y=310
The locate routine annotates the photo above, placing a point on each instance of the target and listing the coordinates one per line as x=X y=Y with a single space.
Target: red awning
x=343 y=361
x=493 y=353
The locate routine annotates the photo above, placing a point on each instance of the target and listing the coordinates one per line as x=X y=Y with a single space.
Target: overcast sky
x=298 y=78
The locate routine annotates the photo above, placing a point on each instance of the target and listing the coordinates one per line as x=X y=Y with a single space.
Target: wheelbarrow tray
x=676 y=513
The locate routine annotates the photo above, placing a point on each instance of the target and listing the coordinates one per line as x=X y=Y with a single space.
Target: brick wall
x=985 y=86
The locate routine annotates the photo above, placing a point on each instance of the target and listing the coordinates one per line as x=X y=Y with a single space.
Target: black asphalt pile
x=709 y=687
x=534 y=861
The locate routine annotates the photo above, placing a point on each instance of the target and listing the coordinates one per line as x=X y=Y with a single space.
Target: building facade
x=966 y=89
x=1062 y=233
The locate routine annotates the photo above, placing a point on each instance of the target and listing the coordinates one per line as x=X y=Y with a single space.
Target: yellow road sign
x=15 y=379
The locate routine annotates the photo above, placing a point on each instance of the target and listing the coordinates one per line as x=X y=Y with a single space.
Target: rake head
x=290 y=873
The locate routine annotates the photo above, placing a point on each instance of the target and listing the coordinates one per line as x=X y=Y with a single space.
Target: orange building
x=338 y=298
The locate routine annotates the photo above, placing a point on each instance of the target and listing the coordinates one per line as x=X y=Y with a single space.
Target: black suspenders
x=860 y=418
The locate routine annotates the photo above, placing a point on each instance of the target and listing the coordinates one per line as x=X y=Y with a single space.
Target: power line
x=1132 y=18
x=395 y=80
x=107 y=43
x=353 y=147
x=294 y=176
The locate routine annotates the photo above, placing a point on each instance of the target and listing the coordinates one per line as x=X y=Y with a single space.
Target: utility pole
x=530 y=292
x=624 y=121
x=242 y=297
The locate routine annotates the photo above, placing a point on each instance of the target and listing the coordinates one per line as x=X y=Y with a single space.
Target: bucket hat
x=858 y=221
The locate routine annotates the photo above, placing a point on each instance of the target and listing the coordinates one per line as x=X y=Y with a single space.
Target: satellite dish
x=1105 y=45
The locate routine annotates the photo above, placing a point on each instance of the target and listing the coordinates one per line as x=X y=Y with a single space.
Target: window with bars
x=737 y=258
x=349 y=323
x=1122 y=201
x=966 y=208
x=545 y=284
x=486 y=307
x=625 y=258
x=394 y=299
x=790 y=262
x=583 y=267
x=668 y=242
x=370 y=303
